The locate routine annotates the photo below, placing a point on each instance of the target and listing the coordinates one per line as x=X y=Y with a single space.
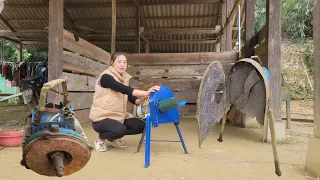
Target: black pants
x=112 y=129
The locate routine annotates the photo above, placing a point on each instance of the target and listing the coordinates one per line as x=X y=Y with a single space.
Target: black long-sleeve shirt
x=107 y=81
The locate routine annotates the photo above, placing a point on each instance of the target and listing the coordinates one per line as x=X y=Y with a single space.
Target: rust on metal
x=37 y=155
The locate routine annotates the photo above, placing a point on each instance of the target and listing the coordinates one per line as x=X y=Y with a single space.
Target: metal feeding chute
x=246 y=86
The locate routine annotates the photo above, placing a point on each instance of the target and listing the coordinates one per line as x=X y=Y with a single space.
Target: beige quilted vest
x=108 y=103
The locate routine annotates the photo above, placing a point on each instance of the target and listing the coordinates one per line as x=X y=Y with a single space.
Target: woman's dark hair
x=115 y=55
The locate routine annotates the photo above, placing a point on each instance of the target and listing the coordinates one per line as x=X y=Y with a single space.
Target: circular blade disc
x=247 y=87
x=37 y=155
x=211 y=103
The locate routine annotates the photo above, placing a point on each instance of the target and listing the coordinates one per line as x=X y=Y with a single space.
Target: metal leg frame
x=147 y=133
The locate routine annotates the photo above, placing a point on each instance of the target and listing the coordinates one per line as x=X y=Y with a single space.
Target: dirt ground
x=241 y=155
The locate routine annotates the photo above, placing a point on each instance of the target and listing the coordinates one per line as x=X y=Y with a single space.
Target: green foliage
x=309 y=57
x=297 y=18
x=260 y=14
x=10 y=53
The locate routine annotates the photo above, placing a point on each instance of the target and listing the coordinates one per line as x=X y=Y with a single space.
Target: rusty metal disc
x=211 y=102
x=248 y=88
x=37 y=152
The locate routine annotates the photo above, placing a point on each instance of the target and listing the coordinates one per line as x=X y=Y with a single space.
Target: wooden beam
x=113 y=33
x=182 y=17
x=129 y=32
x=274 y=54
x=10 y=39
x=181 y=2
x=249 y=27
x=136 y=3
x=182 y=58
x=55 y=39
x=230 y=16
x=125 y=19
x=137 y=38
x=173 y=31
x=109 y=5
x=5 y=21
x=223 y=37
x=34 y=42
x=229 y=26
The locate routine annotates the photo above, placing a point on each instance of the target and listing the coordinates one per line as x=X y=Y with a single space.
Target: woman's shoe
x=117 y=143
x=100 y=146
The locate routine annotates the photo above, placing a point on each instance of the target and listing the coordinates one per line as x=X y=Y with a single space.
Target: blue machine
x=163 y=109
x=54 y=143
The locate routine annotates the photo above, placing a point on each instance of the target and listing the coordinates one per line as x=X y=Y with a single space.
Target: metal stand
x=147 y=133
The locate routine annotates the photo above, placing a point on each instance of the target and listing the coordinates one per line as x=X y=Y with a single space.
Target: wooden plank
x=188 y=110
x=113 y=26
x=167 y=71
x=9 y=97
x=274 y=54
x=77 y=82
x=84 y=48
x=316 y=42
x=261 y=51
x=181 y=58
x=76 y=63
x=83 y=115
x=173 y=84
x=80 y=100
x=249 y=28
x=190 y=96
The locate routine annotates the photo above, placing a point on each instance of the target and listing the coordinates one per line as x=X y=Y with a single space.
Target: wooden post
x=137 y=30
x=55 y=39
x=147 y=48
x=20 y=59
x=274 y=54
x=113 y=33
x=249 y=27
x=313 y=158
x=20 y=52
x=223 y=21
x=229 y=27
x=218 y=45
x=316 y=42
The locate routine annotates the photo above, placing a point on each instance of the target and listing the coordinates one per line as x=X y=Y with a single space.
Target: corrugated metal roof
x=99 y=18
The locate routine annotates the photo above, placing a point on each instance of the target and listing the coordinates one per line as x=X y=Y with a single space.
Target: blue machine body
x=156 y=116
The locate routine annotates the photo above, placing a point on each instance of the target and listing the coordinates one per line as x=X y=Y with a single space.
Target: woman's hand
x=141 y=100
x=153 y=89
x=140 y=93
